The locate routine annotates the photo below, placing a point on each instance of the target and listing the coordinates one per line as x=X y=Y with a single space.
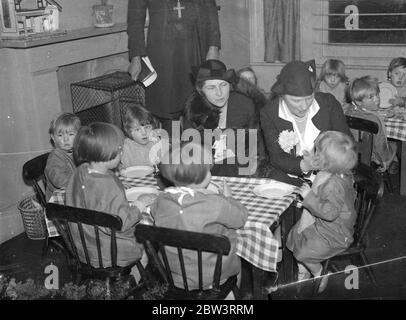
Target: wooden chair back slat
x=113 y=248
x=182 y=268
x=83 y=241
x=200 y=268
x=166 y=263
x=99 y=252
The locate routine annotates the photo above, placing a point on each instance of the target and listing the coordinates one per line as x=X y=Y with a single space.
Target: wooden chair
x=365 y=130
x=155 y=239
x=33 y=174
x=65 y=218
x=369 y=186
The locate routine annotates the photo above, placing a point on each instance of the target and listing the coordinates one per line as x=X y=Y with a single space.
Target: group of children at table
x=86 y=159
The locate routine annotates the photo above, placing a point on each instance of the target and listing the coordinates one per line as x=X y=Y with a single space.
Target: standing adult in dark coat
x=296 y=111
x=181 y=34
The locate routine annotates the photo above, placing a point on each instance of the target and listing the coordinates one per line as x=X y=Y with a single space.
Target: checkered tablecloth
x=256 y=243
x=396 y=128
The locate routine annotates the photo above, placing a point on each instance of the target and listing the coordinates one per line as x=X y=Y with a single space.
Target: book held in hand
x=148 y=74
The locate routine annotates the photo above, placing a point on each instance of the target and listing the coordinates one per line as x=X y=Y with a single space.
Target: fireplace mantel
x=69 y=35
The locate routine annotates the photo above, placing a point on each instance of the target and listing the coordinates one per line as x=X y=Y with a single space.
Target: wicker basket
x=33 y=218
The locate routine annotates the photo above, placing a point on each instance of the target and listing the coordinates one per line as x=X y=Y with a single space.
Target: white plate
x=274 y=189
x=387 y=91
x=133 y=193
x=137 y=171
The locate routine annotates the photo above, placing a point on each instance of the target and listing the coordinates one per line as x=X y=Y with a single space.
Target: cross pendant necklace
x=179 y=9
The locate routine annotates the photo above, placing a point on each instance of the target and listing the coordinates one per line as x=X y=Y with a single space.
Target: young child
x=138 y=124
x=60 y=165
x=190 y=206
x=97 y=150
x=396 y=93
x=248 y=74
x=332 y=79
x=364 y=93
x=327 y=228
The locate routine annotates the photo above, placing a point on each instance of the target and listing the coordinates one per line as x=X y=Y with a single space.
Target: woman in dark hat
x=293 y=119
x=215 y=104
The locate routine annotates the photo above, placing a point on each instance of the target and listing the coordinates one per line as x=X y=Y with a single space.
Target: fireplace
x=34 y=86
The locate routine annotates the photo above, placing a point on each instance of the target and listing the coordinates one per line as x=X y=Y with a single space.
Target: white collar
x=311 y=132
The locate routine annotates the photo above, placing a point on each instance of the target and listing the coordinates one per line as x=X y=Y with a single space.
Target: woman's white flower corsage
x=288 y=140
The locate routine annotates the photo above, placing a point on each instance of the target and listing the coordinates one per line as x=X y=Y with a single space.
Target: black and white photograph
x=226 y=152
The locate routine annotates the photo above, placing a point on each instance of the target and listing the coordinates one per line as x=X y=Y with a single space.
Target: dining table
x=256 y=242
x=396 y=129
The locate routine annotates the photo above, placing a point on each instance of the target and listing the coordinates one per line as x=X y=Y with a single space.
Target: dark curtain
x=282 y=30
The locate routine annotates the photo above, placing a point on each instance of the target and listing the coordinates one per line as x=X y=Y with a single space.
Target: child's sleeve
x=130 y=215
x=58 y=174
x=232 y=213
x=327 y=203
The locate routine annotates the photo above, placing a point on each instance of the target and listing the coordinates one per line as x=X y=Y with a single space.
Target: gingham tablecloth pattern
x=256 y=242
x=396 y=128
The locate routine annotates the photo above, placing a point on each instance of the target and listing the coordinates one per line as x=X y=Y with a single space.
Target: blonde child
x=94 y=186
x=139 y=125
x=332 y=79
x=190 y=206
x=60 y=165
x=364 y=93
x=248 y=74
x=396 y=74
x=327 y=225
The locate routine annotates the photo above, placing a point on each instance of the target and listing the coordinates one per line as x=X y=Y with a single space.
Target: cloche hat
x=297 y=78
x=213 y=70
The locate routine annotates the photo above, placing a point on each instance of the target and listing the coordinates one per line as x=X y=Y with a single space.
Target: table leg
x=258 y=278
x=289 y=268
x=403 y=169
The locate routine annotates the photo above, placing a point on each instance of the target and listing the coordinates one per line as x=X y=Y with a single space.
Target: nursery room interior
x=276 y=66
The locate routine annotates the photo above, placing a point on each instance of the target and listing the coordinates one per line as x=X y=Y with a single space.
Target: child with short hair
x=94 y=186
x=60 y=165
x=190 y=206
x=326 y=227
x=332 y=79
x=394 y=90
x=138 y=125
x=248 y=74
x=364 y=93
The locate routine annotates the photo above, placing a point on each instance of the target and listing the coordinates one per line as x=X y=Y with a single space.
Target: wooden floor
x=21 y=258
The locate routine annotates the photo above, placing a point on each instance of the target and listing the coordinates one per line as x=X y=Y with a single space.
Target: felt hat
x=213 y=70
x=297 y=78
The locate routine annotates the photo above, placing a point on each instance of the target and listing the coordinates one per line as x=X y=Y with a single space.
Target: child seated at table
x=139 y=125
x=97 y=150
x=190 y=206
x=364 y=93
x=60 y=165
x=327 y=224
x=332 y=79
x=396 y=75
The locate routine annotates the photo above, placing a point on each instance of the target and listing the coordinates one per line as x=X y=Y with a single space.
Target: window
x=367 y=21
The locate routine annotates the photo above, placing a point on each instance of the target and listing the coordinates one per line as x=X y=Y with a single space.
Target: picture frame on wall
x=8 y=19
